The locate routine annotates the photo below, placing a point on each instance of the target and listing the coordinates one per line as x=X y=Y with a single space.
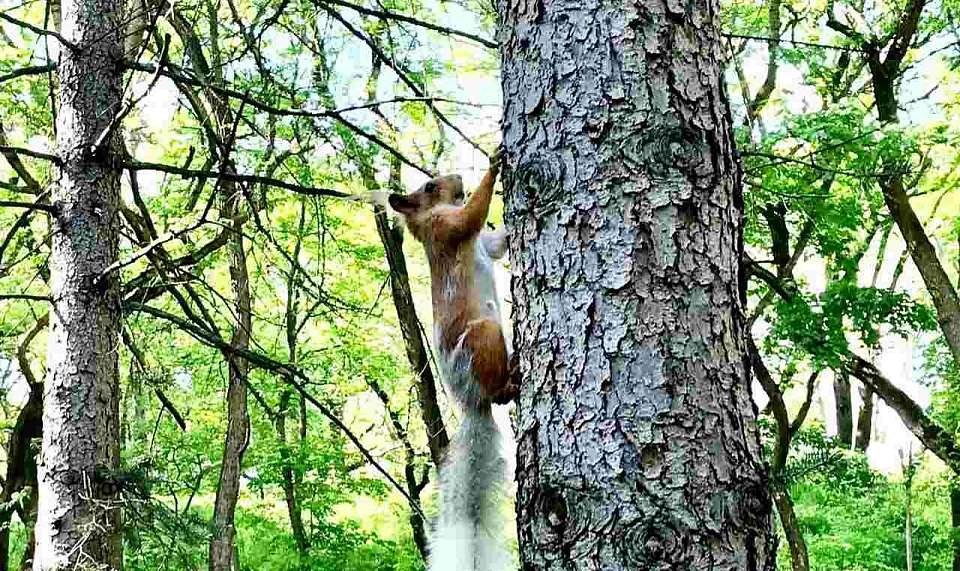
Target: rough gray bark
x=77 y=526
x=637 y=444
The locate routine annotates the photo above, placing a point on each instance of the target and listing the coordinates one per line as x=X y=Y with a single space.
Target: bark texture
x=77 y=527
x=637 y=445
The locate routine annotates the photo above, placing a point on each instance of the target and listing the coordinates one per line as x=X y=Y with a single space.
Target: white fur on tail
x=468 y=534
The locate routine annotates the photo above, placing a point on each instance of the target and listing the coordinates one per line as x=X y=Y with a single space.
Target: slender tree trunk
x=788 y=519
x=884 y=71
x=289 y=478
x=29 y=518
x=908 y=525
x=437 y=440
x=865 y=419
x=417 y=354
x=637 y=440
x=283 y=410
x=223 y=552
x=778 y=459
x=844 y=408
x=19 y=458
x=955 y=524
x=78 y=521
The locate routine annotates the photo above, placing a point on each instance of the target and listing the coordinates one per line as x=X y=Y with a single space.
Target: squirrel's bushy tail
x=468 y=534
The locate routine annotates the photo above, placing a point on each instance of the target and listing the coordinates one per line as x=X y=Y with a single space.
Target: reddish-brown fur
x=449 y=232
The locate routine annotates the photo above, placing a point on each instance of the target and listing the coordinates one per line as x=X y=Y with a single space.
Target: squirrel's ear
x=401 y=203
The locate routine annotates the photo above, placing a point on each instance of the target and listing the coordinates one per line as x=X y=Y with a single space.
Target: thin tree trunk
x=865 y=419
x=78 y=519
x=637 y=447
x=223 y=552
x=844 y=408
x=21 y=462
x=778 y=459
x=283 y=410
x=788 y=519
x=417 y=354
x=910 y=468
x=289 y=479
x=27 y=427
x=30 y=521
x=955 y=524
x=884 y=71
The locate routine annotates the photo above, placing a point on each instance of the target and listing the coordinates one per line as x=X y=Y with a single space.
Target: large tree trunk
x=844 y=408
x=637 y=440
x=78 y=523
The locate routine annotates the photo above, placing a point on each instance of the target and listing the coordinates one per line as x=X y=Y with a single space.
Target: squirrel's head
x=435 y=192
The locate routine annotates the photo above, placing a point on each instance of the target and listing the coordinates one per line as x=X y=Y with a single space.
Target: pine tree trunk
x=637 y=444
x=77 y=522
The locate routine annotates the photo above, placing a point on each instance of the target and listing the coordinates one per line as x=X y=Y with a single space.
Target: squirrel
x=474 y=361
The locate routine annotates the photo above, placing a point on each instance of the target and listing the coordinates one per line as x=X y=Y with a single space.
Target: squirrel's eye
x=430 y=187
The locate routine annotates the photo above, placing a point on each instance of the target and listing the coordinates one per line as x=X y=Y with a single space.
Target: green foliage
x=819 y=324
x=854 y=518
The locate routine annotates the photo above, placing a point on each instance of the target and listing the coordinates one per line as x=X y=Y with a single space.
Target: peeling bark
x=77 y=524
x=637 y=444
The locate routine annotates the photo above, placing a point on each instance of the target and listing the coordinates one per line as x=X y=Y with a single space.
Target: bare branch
x=230 y=176
x=40 y=31
x=29 y=70
x=388 y=15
